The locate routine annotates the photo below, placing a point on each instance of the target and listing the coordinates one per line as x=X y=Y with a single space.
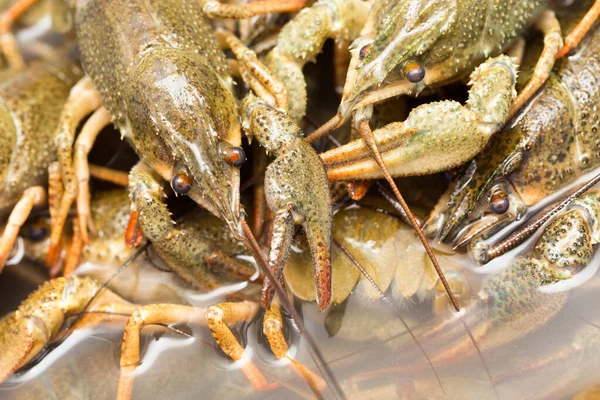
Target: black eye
x=181 y=182
x=236 y=157
x=499 y=203
x=414 y=72
x=364 y=51
x=37 y=232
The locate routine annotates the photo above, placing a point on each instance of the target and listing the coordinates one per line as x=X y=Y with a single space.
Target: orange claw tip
x=358 y=189
x=324 y=288
x=134 y=234
x=324 y=302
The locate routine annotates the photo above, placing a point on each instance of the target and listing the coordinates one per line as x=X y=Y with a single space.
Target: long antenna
x=369 y=139
x=403 y=208
x=324 y=129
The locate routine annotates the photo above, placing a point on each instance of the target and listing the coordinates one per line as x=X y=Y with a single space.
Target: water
x=366 y=346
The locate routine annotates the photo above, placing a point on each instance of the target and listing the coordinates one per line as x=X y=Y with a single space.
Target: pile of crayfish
x=419 y=174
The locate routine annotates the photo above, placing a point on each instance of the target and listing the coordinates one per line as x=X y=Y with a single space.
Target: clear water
x=368 y=349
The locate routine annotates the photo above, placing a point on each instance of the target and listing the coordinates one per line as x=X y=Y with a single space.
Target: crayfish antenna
x=576 y=35
x=368 y=137
x=326 y=128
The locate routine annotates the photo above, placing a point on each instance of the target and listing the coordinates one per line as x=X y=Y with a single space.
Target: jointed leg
x=8 y=42
x=130 y=348
x=272 y=323
x=575 y=36
x=250 y=62
x=74 y=253
x=257 y=86
x=99 y=119
x=83 y=99
x=55 y=189
x=32 y=196
x=217 y=318
x=114 y=176
x=553 y=42
x=106 y=307
x=216 y=9
x=55 y=192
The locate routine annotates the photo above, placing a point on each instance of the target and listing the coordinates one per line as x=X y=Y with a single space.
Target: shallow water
x=365 y=345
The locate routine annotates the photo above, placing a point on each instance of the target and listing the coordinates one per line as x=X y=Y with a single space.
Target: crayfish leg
x=83 y=99
x=577 y=34
x=254 y=72
x=218 y=317
x=8 y=42
x=75 y=249
x=39 y=317
x=550 y=27
x=272 y=323
x=98 y=120
x=130 y=348
x=31 y=197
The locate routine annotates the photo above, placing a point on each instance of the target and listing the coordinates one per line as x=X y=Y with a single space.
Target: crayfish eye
x=38 y=231
x=235 y=156
x=181 y=182
x=364 y=51
x=499 y=203
x=414 y=72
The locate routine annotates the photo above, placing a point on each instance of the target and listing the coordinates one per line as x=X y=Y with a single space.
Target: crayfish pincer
x=435 y=137
x=296 y=190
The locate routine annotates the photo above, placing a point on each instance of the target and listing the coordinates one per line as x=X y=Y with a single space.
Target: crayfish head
x=478 y=216
x=185 y=125
x=399 y=50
